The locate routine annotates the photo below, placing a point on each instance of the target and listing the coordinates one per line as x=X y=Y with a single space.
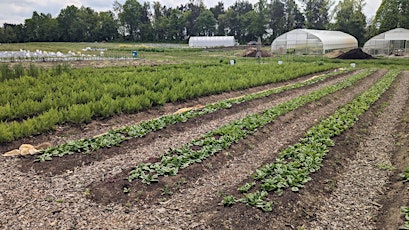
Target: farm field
x=318 y=147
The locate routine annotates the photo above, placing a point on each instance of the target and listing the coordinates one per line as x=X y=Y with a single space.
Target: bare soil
x=351 y=191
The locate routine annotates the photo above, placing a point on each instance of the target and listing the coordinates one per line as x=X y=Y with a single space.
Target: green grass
x=183 y=54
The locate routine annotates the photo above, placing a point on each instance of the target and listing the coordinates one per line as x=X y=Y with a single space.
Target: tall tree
x=176 y=26
x=69 y=24
x=130 y=14
x=41 y=28
x=159 y=21
x=217 y=9
x=294 y=19
x=205 y=24
x=12 y=33
x=87 y=24
x=316 y=13
x=350 y=18
x=146 y=24
x=192 y=11
x=277 y=18
x=106 y=28
x=392 y=14
x=236 y=18
x=258 y=23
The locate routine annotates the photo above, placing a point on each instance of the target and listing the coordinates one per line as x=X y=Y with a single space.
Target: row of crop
x=18 y=71
x=294 y=165
x=27 y=96
x=213 y=142
x=188 y=86
x=405 y=209
x=38 y=86
x=117 y=136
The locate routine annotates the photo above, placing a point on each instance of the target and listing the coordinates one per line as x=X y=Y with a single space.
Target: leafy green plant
x=294 y=164
x=167 y=191
x=126 y=190
x=246 y=187
x=405 y=175
x=405 y=212
x=385 y=166
x=229 y=200
x=198 y=150
x=257 y=199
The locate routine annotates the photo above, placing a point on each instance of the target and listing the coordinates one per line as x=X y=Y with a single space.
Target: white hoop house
x=306 y=41
x=209 y=42
x=396 y=40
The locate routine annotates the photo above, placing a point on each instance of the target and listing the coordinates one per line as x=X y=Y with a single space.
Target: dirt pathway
x=355 y=202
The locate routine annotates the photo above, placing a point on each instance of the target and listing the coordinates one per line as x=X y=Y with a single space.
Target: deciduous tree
x=316 y=13
x=350 y=19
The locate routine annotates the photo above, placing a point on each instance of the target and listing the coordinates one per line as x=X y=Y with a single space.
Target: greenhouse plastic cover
x=384 y=43
x=214 y=41
x=313 y=41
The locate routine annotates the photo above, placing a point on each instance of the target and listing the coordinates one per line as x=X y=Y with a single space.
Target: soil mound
x=251 y=52
x=355 y=54
x=334 y=53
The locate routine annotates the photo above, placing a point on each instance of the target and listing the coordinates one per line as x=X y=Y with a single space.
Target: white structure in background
x=394 y=41
x=39 y=55
x=214 y=41
x=306 y=41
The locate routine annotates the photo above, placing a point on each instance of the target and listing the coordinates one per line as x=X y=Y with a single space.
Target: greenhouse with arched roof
x=211 y=41
x=307 y=41
x=392 y=42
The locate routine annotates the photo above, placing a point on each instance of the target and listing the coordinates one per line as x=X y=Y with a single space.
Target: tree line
x=133 y=21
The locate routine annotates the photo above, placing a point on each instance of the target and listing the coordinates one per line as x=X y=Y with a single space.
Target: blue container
x=135 y=54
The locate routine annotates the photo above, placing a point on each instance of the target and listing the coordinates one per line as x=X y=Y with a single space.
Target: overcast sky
x=16 y=11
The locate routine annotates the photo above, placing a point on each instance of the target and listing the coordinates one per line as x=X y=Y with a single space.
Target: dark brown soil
x=397 y=192
x=355 y=54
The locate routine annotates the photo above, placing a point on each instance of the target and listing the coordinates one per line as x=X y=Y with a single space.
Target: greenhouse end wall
x=393 y=42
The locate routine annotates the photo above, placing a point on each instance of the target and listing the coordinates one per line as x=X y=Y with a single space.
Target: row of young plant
x=47 y=81
x=294 y=165
x=405 y=209
x=117 y=136
x=150 y=89
x=17 y=71
x=28 y=96
x=213 y=142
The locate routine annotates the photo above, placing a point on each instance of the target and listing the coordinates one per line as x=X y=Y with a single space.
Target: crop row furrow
x=294 y=165
x=213 y=142
x=117 y=136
